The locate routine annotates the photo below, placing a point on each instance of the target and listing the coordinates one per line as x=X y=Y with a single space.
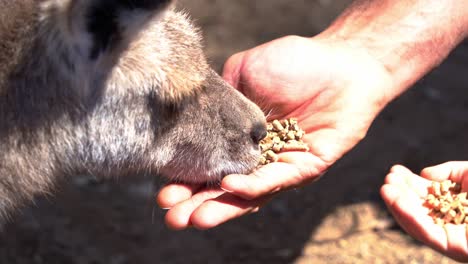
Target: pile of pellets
x=283 y=135
x=447 y=204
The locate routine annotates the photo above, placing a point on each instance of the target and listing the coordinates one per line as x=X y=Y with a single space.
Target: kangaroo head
x=114 y=87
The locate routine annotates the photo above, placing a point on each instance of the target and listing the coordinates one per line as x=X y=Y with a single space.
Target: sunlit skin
x=335 y=84
x=334 y=118
x=404 y=194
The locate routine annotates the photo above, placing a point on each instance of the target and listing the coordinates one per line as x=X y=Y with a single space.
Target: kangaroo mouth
x=206 y=174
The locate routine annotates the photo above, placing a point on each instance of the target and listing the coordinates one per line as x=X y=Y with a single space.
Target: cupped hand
x=334 y=91
x=405 y=192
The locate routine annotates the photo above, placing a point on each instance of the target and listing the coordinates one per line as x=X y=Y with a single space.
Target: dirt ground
x=339 y=219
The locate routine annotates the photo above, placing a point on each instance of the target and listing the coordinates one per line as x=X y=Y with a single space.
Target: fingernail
x=226 y=190
x=255 y=210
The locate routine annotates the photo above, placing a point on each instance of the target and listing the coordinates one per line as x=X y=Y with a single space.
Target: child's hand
x=404 y=194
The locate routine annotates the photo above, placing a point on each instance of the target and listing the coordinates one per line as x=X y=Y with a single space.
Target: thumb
x=232 y=69
x=456 y=171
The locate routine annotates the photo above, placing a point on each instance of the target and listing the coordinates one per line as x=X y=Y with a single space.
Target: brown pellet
x=283 y=135
x=277 y=126
x=447 y=204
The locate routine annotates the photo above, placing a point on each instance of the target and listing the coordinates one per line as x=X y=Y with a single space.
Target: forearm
x=408 y=37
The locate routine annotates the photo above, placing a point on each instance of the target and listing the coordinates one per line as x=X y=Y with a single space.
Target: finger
x=292 y=170
x=453 y=170
x=178 y=217
x=400 y=175
x=392 y=194
x=456 y=171
x=224 y=208
x=413 y=217
x=173 y=194
x=400 y=169
x=457 y=241
x=231 y=69
x=397 y=175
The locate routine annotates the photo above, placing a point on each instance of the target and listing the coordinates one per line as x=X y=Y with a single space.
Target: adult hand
x=404 y=194
x=334 y=91
x=335 y=84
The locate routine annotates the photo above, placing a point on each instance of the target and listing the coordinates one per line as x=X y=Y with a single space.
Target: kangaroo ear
x=97 y=25
x=118 y=20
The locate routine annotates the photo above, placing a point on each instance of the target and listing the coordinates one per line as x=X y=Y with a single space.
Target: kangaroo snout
x=258 y=132
x=221 y=133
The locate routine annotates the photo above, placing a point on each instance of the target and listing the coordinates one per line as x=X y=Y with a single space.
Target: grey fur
x=147 y=103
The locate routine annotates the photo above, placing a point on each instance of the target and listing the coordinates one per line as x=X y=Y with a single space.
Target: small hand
x=334 y=91
x=404 y=194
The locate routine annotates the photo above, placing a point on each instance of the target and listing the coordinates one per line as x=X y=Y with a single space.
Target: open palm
x=405 y=192
x=334 y=91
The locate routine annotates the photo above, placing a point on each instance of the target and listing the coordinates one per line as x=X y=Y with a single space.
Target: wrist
x=408 y=39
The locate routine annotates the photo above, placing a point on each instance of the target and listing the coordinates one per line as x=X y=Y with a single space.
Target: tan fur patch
x=153 y=60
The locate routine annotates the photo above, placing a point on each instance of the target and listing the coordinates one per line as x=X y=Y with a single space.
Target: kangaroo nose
x=259 y=132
